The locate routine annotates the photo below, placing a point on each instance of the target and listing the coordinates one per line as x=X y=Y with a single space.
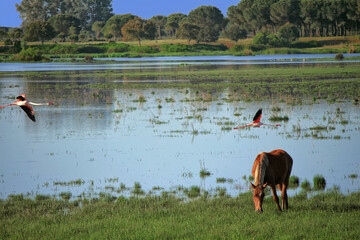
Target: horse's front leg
x=275 y=197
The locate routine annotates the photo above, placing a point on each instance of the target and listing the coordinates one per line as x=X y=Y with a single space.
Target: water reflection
x=162 y=137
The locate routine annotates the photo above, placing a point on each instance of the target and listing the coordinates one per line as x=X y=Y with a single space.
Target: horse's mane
x=261 y=169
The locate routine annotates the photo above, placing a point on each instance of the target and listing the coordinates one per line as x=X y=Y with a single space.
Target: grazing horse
x=272 y=168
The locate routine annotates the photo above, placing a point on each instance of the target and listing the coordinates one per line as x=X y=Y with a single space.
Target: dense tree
x=234 y=32
x=87 y=11
x=114 y=25
x=32 y=10
x=16 y=34
x=311 y=18
x=173 y=21
x=188 y=31
x=96 y=27
x=3 y=33
x=210 y=21
x=63 y=22
x=160 y=22
x=39 y=31
x=99 y=10
x=74 y=38
x=288 y=33
x=285 y=11
x=139 y=29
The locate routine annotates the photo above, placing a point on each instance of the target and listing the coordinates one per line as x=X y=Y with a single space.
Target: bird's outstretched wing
x=257 y=116
x=21 y=97
x=29 y=112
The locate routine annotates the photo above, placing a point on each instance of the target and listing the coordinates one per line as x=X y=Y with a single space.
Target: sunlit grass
x=329 y=215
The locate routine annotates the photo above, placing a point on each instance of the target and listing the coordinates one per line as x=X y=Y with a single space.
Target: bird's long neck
x=7 y=105
x=38 y=104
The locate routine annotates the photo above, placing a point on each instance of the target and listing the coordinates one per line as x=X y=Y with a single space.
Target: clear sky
x=9 y=17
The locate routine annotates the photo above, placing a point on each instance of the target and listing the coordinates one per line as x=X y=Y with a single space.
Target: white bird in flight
x=24 y=104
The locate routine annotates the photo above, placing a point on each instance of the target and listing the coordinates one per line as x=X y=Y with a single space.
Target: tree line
x=269 y=21
x=310 y=18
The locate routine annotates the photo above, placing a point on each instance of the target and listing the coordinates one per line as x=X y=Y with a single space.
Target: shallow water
x=107 y=138
x=170 y=62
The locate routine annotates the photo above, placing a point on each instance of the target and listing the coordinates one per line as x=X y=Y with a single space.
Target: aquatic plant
x=204 y=173
x=141 y=99
x=137 y=189
x=221 y=191
x=70 y=183
x=276 y=109
x=305 y=185
x=353 y=176
x=65 y=195
x=279 y=118
x=319 y=182
x=318 y=128
x=193 y=192
x=339 y=56
x=294 y=182
x=220 y=180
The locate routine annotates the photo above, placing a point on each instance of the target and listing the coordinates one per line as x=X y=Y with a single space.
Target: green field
x=36 y=51
x=329 y=215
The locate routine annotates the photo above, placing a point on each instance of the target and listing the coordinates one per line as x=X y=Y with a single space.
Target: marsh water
x=169 y=62
x=105 y=140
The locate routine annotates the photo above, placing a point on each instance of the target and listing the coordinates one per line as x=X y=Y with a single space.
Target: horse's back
x=280 y=155
x=281 y=164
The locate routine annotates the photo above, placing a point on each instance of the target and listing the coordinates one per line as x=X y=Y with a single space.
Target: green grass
x=329 y=215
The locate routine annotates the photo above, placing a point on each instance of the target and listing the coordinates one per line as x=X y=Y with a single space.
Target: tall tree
x=188 y=30
x=234 y=32
x=39 y=31
x=139 y=29
x=285 y=11
x=115 y=24
x=63 y=22
x=96 y=27
x=173 y=21
x=353 y=15
x=31 y=10
x=87 y=11
x=16 y=33
x=160 y=22
x=310 y=15
x=210 y=21
x=236 y=14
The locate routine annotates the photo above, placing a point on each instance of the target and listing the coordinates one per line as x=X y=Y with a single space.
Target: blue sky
x=9 y=17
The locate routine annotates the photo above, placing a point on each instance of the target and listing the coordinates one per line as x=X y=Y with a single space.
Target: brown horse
x=272 y=168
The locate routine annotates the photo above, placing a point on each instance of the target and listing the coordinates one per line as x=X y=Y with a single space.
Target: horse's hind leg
x=275 y=197
x=284 y=197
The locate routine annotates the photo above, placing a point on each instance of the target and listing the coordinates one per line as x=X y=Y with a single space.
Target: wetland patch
x=160 y=135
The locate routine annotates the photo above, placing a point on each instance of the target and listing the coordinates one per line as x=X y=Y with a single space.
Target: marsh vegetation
x=107 y=155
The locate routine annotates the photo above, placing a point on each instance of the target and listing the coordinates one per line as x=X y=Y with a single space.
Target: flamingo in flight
x=256 y=121
x=24 y=104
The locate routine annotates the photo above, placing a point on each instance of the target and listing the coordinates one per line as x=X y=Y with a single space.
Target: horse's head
x=258 y=196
